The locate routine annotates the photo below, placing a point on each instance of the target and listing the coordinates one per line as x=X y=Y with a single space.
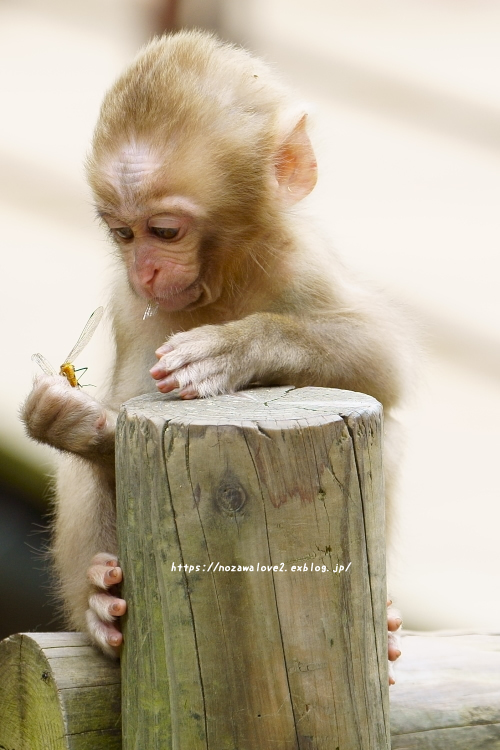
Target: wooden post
x=251 y=534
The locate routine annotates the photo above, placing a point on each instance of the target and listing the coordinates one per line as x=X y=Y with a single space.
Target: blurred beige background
x=405 y=102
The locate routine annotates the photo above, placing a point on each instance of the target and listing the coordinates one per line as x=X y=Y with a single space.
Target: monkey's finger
x=104 y=576
x=188 y=347
x=393 y=650
x=104 y=558
x=107 y=607
x=106 y=635
x=167 y=384
x=161 y=368
x=164 y=349
x=392 y=679
x=394 y=620
x=158 y=371
x=189 y=392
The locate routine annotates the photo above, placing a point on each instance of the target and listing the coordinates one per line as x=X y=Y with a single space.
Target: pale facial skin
x=159 y=249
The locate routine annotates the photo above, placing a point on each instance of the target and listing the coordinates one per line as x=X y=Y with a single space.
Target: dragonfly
x=67 y=369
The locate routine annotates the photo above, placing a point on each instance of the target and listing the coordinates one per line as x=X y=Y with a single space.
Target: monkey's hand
x=394 y=623
x=68 y=419
x=105 y=606
x=214 y=359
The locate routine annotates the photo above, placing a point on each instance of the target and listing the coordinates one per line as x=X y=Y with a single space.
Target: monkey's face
x=160 y=249
x=156 y=227
x=176 y=217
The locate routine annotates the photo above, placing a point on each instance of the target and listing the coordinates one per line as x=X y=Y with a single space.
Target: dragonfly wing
x=150 y=310
x=43 y=364
x=85 y=335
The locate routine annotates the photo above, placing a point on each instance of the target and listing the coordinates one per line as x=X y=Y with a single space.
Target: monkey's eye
x=165 y=233
x=123 y=233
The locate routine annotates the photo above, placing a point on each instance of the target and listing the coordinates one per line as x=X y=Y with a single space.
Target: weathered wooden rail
x=289 y=655
x=58 y=693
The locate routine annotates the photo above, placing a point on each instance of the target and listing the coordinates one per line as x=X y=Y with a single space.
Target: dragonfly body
x=68 y=370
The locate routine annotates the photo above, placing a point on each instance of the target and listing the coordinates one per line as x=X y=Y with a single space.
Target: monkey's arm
x=327 y=349
x=84 y=549
x=69 y=419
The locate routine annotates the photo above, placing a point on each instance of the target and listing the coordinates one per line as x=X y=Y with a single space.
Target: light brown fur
x=211 y=125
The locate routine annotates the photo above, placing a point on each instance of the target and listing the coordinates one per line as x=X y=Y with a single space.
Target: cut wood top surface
x=256 y=404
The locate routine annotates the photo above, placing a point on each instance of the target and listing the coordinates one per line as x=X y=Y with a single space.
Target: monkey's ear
x=296 y=170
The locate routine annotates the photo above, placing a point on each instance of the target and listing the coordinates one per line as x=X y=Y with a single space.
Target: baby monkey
x=199 y=158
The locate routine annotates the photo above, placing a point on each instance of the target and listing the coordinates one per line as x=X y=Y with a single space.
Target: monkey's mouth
x=173 y=300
